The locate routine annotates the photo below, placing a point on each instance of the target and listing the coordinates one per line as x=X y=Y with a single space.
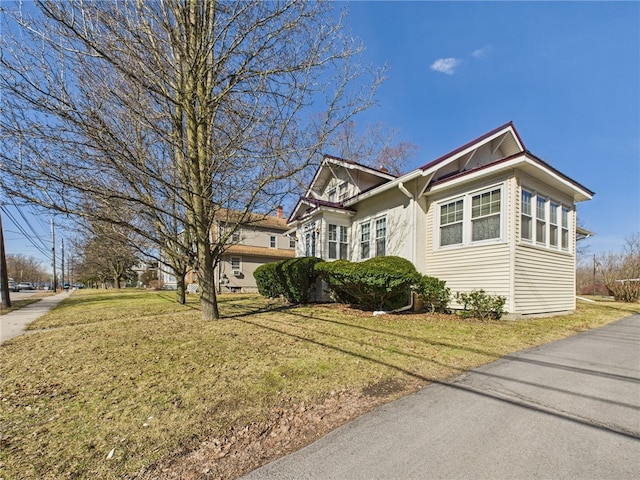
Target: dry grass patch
x=135 y=374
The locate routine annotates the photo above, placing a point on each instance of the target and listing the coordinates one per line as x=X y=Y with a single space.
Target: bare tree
x=25 y=268
x=161 y=116
x=375 y=147
x=621 y=271
x=105 y=253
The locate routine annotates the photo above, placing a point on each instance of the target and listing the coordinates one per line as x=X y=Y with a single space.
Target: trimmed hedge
x=290 y=278
x=380 y=283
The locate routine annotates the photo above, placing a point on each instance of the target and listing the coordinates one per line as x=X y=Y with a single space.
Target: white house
x=489 y=215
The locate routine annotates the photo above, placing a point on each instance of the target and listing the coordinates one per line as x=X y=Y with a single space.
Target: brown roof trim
x=251 y=250
x=471 y=143
x=526 y=153
x=360 y=165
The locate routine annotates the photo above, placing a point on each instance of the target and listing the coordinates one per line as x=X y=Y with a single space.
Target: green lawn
x=136 y=373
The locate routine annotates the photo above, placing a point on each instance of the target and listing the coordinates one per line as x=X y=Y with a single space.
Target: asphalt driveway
x=566 y=410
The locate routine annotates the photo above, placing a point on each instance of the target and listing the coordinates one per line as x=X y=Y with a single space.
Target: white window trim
x=371 y=221
x=338 y=243
x=239 y=263
x=275 y=241
x=467 y=221
x=549 y=199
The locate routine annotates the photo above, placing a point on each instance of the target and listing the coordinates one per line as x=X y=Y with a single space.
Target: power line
x=40 y=247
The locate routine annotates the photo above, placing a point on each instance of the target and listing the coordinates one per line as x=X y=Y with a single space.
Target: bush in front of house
x=267 y=281
x=434 y=294
x=481 y=305
x=380 y=283
x=290 y=278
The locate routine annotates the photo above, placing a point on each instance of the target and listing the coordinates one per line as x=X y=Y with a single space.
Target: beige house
x=489 y=215
x=262 y=241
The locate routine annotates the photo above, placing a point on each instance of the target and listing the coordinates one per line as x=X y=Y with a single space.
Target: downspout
x=398 y=310
x=412 y=225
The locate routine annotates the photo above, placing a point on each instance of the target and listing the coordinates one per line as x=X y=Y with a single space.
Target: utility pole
x=62 y=267
x=4 y=275
x=54 y=279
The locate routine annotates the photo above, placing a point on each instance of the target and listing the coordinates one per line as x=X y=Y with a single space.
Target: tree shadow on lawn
x=522 y=403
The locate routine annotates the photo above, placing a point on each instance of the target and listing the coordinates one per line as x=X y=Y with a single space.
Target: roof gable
x=499 y=143
x=361 y=176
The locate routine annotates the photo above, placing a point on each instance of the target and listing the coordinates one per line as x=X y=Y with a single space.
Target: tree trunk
x=208 y=299
x=181 y=295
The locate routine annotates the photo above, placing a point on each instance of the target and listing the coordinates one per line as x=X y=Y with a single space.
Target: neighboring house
x=489 y=215
x=261 y=240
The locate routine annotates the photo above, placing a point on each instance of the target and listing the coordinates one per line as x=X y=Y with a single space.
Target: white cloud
x=445 y=65
x=481 y=52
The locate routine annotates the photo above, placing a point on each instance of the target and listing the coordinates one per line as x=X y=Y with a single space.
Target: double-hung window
x=343 y=242
x=365 y=240
x=473 y=218
x=526 y=216
x=541 y=220
x=273 y=241
x=338 y=243
x=451 y=216
x=342 y=191
x=381 y=236
x=565 y=228
x=485 y=215
x=553 y=224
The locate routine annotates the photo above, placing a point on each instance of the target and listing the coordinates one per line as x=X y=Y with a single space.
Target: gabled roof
x=498 y=149
x=324 y=172
x=526 y=161
x=505 y=137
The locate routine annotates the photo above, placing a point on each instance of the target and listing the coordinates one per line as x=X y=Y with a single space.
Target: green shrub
x=380 y=283
x=267 y=281
x=481 y=305
x=434 y=293
x=290 y=278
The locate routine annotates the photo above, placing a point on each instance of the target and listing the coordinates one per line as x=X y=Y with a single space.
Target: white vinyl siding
x=544 y=281
x=480 y=267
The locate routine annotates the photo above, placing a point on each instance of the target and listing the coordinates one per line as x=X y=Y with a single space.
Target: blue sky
x=566 y=73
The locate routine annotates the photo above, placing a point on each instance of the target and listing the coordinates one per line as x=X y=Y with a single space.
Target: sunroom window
x=551 y=220
x=541 y=220
x=553 y=224
x=485 y=215
x=526 y=218
x=565 y=228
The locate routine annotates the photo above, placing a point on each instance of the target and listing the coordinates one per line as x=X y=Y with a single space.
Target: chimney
x=279 y=211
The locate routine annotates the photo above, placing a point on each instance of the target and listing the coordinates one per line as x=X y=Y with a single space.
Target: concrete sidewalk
x=13 y=324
